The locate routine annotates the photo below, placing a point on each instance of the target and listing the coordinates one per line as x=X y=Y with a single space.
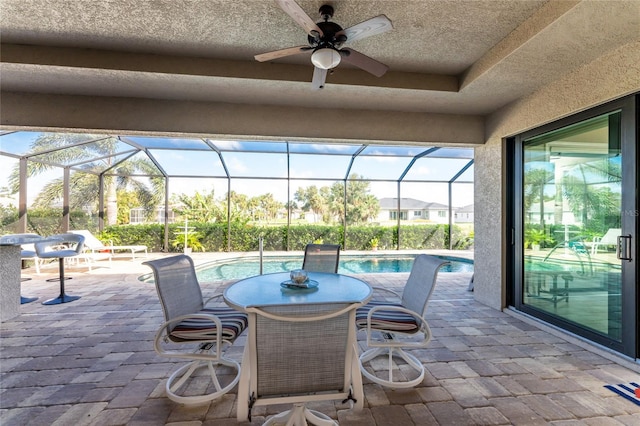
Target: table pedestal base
x=63 y=298
x=299 y=415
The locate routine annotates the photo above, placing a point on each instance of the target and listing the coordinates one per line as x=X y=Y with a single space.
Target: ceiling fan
x=325 y=40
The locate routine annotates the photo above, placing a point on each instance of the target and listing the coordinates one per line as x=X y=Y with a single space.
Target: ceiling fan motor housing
x=329 y=38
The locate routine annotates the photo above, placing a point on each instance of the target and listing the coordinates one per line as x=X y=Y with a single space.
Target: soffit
x=455 y=57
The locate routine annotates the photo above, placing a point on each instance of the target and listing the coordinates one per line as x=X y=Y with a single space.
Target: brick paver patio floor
x=91 y=362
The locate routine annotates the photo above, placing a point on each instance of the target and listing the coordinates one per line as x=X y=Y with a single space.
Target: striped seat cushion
x=233 y=323
x=386 y=320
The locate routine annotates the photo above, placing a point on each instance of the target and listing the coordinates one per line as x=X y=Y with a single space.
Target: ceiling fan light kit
x=325 y=58
x=326 y=38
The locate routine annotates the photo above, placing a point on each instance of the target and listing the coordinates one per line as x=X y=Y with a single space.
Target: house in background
x=463 y=214
x=413 y=210
x=138 y=216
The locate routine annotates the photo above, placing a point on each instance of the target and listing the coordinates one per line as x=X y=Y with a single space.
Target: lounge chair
x=94 y=245
x=610 y=238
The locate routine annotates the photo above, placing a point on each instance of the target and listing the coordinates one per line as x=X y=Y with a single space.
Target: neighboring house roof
x=465 y=209
x=410 y=204
x=549 y=207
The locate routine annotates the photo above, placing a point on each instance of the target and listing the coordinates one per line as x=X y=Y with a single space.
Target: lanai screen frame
x=132 y=145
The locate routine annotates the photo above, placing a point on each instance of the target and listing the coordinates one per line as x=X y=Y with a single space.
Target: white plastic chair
x=191 y=331
x=393 y=327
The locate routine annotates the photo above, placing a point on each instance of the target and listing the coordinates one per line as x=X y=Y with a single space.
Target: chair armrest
x=387 y=290
x=215 y=296
x=162 y=335
x=423 y=325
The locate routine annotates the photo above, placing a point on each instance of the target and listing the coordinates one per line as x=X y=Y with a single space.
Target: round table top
x=19 y=239
x=265 y=290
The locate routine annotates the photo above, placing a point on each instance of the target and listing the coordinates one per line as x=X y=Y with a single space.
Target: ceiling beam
x=163 y=64
x=517 y=40
x=29 y=111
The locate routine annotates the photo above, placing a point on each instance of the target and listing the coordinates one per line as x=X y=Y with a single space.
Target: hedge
x=245 y=237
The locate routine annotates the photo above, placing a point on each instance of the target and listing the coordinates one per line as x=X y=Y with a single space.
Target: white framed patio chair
x=299 y=354
x=193 y=331
x=392 y=327
x=321 y=258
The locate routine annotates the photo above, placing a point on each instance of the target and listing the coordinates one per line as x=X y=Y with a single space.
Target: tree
x=311 y=199
x=84 y=187
x=329 y=202
x=361 y=206
x=535 y=181
x=269 y=206
x=199 y=207
x=587 y=189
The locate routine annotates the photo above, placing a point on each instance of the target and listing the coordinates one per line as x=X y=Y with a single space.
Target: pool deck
x=91 y=362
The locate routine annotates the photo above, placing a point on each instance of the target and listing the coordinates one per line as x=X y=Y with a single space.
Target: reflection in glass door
x=571 y=216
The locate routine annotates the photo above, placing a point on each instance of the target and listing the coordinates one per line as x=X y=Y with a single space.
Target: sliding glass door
x=576 y=227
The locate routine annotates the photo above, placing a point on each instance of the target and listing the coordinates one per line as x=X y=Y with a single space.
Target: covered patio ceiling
x=178 y=67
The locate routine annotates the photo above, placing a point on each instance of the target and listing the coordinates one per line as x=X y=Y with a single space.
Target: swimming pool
x=236 y=268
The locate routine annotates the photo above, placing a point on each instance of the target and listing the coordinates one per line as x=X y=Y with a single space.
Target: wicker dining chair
x=203 y=331
x=321 y=258
x=392 y=327
x=298 y=354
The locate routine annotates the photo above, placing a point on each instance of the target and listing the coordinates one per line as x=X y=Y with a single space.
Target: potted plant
x=192 y=239
x=536 y=238
x=373 y=243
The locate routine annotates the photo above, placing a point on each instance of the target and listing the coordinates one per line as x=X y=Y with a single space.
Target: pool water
x=237 y=268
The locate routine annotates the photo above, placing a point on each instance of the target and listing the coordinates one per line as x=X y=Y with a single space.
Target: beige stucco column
x=9 y=282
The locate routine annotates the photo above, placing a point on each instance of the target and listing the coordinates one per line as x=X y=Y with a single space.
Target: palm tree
x=84 y=185
x=587 y=188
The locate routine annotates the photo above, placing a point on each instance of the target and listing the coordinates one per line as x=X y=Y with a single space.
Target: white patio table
x=254 y=295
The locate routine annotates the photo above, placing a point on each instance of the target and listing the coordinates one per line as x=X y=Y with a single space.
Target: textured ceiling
x=456 y=57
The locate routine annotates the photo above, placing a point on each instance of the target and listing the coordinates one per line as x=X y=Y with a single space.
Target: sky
x=251 y=167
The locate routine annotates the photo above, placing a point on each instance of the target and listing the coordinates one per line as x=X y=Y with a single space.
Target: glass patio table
x=267 y=298
x=265 y=290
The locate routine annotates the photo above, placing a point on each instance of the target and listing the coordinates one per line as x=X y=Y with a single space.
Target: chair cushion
x=58 y=253
x=233 y=323
x=386 y=320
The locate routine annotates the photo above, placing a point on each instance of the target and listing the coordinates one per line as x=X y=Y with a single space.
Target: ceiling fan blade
x=319 y=77
x=378 y=25
x=282 y=53
x=364 y=62
x=292 y=9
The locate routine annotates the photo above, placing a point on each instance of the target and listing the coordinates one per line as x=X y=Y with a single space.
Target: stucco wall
x=610 y=77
